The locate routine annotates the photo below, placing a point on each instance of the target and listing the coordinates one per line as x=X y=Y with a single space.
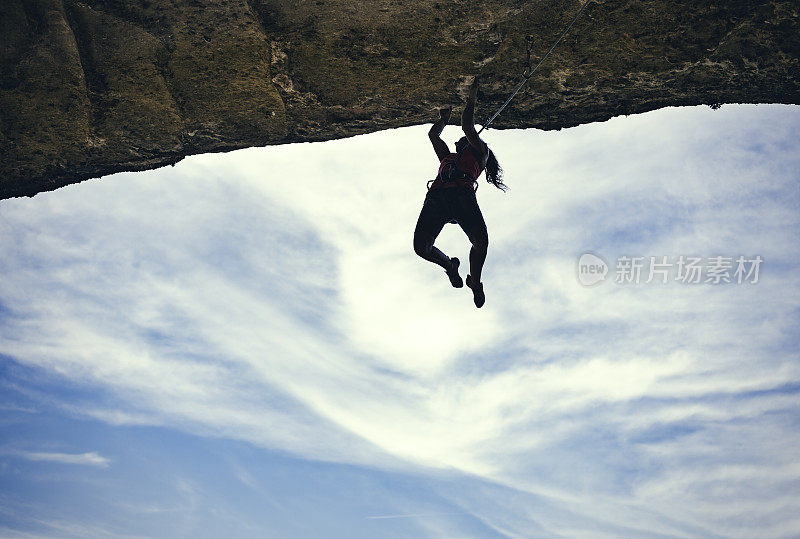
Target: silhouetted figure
x=451 y=197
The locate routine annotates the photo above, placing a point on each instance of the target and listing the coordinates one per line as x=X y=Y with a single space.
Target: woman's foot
x=477 y=292
x=452 y=274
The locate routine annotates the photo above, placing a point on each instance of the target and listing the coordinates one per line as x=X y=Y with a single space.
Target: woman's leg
x=477 y=255
x=479 y=237
x=429 y=225
x=470 y=218
x=423 y=246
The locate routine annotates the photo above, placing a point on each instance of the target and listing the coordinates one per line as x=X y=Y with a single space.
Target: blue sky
x=245 y=344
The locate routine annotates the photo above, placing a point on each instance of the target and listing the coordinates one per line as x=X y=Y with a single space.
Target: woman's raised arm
x=468 y=122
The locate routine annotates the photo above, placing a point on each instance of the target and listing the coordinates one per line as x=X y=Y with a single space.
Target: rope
x=526 y=75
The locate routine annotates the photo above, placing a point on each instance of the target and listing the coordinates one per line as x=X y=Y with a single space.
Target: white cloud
x=86 y=459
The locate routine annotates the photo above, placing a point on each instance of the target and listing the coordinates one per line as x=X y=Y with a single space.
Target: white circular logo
x=591 y=269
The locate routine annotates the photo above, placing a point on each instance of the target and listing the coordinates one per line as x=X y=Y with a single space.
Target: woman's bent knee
x=480 y=241
x=422 y=246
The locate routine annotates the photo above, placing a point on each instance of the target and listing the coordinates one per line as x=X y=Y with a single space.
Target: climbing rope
x=528 y=72
x=526 y=75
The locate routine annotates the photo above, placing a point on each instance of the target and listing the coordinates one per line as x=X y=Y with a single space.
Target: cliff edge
x=92 y=87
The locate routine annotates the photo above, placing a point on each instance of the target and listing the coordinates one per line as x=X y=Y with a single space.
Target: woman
x=451 y=198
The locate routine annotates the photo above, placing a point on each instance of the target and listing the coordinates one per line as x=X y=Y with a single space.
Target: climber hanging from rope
x=451 y=197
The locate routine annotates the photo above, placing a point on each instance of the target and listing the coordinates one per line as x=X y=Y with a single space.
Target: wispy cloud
x=413 y=515
x=85 y=459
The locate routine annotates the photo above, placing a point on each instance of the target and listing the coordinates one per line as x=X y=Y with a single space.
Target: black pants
x=451 y=205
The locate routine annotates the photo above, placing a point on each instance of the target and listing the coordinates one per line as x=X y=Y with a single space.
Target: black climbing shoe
x=455 y=278
x=477 y=292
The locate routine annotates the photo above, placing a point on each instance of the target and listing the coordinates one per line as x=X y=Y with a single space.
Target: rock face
x=98 y=86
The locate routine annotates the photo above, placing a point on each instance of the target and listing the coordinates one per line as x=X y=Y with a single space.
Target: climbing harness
x=456 y=175
x=526 y=75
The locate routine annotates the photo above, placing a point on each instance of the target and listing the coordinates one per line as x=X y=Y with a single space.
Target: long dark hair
x=494 y=173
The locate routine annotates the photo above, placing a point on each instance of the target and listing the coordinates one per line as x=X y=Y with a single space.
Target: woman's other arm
x=439 y=145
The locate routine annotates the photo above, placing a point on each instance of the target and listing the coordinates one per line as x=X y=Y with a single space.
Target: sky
x=246 y=345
